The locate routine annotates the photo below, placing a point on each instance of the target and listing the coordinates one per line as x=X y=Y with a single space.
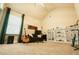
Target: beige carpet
x=46 y=48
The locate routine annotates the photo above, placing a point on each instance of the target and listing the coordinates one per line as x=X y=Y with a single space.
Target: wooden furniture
x=32 y=27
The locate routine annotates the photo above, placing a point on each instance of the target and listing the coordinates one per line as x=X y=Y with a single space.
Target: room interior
x=39 y=28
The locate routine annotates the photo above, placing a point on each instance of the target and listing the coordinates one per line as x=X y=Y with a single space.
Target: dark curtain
x=19 y=40
x=3 y=31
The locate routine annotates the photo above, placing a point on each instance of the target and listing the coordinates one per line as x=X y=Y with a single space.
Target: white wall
x=59 y=17
x=77 y=9
x=28 y=20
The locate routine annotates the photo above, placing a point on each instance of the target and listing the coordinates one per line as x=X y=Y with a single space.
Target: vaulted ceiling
x=37 y=10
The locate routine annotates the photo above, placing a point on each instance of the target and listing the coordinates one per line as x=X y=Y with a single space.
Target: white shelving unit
x=57 y=35
x=60 y=35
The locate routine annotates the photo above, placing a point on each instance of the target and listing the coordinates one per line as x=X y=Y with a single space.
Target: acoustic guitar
x=25 y=38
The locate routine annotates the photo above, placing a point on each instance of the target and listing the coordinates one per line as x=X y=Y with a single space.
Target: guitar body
x=25 y=38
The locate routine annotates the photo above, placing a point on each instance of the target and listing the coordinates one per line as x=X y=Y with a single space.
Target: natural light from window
x=14 y=24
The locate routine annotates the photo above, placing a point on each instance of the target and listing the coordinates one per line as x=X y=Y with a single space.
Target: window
x=14 y=24
x=1 y=6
